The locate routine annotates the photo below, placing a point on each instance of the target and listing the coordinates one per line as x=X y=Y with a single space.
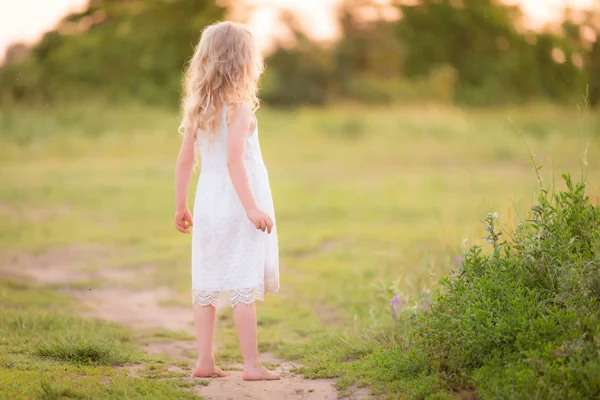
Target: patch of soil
x=290 y=386
x=180 y=350
x=114 y=301
x=57 y=265
x=138 y=309
x=233 y=387
x=8 y=211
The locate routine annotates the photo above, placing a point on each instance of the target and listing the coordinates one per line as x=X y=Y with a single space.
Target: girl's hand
x=260 y=220
x=183 y=220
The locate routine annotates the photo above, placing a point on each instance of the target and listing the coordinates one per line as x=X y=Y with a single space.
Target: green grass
x=47 y=353
x=370 y=203
x=31 y=328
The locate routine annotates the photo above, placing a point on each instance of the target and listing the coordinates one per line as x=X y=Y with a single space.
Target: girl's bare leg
x=205 y=321
x=244 y=316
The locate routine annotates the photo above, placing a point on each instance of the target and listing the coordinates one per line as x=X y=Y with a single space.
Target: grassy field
x=371 y=203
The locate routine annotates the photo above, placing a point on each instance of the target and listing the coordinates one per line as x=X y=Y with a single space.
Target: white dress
x=229 y=255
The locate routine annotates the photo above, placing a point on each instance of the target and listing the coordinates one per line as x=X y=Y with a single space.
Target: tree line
x=462 y=51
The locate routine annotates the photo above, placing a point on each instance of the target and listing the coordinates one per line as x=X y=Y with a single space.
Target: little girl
x=234 y=240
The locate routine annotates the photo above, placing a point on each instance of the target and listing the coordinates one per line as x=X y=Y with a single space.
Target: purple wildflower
x=394 y=303
x=458 y=261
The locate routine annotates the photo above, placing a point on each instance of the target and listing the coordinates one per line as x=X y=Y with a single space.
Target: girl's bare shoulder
x=241 y=115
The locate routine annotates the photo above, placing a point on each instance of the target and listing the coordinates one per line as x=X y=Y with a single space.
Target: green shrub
x=80 y=350
x=524 y=322
x=438 y=87
x=62 y=337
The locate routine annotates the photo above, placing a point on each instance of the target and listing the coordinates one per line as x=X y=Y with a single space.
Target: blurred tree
x=299 y=72
x=359 y=65
x=366 y=47
x=115 y=48
x=593 y=69
x=16 y=52
x=494 y=61
x=584 y=37
x=470 y=51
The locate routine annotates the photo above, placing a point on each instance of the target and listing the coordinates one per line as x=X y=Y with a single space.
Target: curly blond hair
x=224 y=70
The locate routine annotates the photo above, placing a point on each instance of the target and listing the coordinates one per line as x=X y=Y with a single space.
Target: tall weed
x=524 y=321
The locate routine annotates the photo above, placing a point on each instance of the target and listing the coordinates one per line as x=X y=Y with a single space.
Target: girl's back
x=234 y=238
x=213 y=150
x=229 y=255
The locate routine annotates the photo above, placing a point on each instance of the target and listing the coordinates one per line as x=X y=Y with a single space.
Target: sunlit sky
x=27 y=20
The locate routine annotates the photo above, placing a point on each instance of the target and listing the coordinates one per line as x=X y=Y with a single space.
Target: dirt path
x=113 y=299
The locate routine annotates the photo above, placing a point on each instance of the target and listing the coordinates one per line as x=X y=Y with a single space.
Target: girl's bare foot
x=209 y=370
x=259 y=373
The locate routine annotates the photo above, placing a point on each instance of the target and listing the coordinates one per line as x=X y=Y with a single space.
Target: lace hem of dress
x=205 y=298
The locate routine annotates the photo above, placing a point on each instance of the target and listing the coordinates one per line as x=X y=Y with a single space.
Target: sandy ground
x=112 y=299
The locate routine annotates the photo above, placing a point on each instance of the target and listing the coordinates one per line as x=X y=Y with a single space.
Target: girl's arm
x=183 y=174
x=239 y=128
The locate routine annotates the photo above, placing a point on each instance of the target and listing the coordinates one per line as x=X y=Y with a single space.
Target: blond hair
x=224 y=70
